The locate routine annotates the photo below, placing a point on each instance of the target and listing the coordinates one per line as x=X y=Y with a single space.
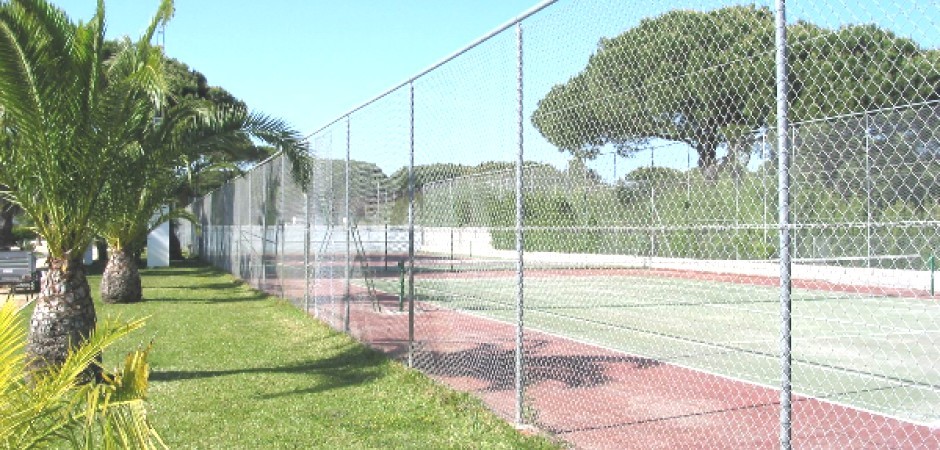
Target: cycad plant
x=68 y=115
x=52 y=408
x=150 y=179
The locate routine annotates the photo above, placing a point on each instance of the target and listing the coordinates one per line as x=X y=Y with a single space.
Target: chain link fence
x=637 y=224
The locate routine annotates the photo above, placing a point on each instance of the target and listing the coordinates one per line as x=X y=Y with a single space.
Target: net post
x=401 y=285
x=348 y=224
x=411 y=224
x=520 y=242
x=933 y=269
x=783 y=138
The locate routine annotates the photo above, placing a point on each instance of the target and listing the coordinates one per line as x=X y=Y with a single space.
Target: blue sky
x=309 y=61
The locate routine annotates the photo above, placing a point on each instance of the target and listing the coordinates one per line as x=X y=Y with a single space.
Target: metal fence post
x=411 y=225
x=653 y=213
x=262 y=279
x=783 y=136
x=282 y=226
x=520 y=243
x=348 y=223
x=331 y=221
x=241 y=233
x=868 y=187
x=456 y=220
x=306 y=253
x=615 y=165
x=765 y=221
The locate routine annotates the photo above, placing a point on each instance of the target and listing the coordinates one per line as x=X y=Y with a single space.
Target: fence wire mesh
x=652 y=297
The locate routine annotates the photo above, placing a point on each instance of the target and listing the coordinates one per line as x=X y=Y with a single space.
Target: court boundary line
x=842 y=296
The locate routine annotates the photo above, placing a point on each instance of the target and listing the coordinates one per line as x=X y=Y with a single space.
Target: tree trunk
x=176 y=249
x=64 y=315
x=707 y=161
x=102 y=247
x=120 y=282
x=7 y=212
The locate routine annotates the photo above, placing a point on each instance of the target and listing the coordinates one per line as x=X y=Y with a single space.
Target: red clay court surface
x=598 y=398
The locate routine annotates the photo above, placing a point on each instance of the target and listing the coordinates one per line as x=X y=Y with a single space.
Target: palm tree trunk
x=120 y=282
x=7 y=212
x=64 y=315
x=176 y=248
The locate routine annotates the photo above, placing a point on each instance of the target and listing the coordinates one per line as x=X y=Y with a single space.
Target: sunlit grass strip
x=233 y=368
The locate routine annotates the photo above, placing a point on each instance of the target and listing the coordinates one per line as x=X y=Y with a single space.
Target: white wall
x=158 y=245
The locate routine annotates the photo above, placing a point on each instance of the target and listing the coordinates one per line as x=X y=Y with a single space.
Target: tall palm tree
x=68 y=114
x=158 y=170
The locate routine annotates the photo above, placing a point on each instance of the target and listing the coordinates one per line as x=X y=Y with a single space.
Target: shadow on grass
x=354 y=365
x=236 y=298
x=96 y=268
x=187 y=269
x=223 y=285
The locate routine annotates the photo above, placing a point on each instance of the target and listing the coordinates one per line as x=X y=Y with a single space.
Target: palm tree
x=67 y=115
x=158 y=171
x=139 y=185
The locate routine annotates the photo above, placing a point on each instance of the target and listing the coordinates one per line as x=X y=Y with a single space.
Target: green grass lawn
x=232 y=368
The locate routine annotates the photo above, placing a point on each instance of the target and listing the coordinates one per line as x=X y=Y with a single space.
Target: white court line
x=885 y=335
x=933 y=424
x=695 y=288
x=893 y=331
x=682 y=291
x=809 y=318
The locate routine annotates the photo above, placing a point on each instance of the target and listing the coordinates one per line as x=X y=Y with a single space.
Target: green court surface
x=875 y=353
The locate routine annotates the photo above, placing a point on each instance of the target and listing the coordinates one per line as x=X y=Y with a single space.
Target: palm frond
x=12 y=342
x=70 y=114
x=227 y=125
x=19 y=94
x=288 y=141
x=151 y=178
x=52 y=407
x=164 y=13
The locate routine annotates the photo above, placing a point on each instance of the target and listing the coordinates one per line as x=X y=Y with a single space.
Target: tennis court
x=853 y=347
x=658 y=211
